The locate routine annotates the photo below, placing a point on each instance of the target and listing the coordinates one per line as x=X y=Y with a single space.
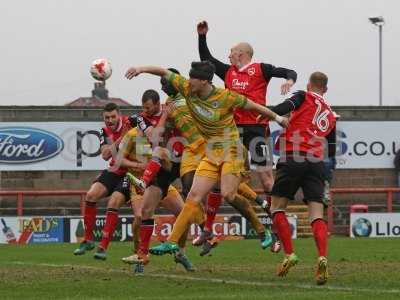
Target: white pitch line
x=217 y=280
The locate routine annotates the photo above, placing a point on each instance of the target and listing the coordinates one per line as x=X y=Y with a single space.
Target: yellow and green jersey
x=135 y=148
x=183 y=121
x=213 y=115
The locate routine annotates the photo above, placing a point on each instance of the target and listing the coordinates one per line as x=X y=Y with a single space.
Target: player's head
x=168 y=88
x=318 y=83
x=111 y=115
x=201 y=75
x=151 y=102
x=241 y=54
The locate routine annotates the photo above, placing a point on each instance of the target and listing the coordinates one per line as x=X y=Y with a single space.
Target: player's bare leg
x=136 y=204
x=229 y=185
x=95 y=193
x=320 y=232
x=278 y=208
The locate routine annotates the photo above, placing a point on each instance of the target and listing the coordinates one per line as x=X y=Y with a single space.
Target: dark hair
x=203 y=70
x=110 y=107
x=151 y=95
x=319 y=80
x=173 y=70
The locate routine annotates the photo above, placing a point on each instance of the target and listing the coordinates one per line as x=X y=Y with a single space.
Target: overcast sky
x=47 y=45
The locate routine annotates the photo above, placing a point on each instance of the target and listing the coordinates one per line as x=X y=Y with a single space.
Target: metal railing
x=20 y=195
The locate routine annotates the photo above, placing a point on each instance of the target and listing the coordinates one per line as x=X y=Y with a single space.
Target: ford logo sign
x=27 y=145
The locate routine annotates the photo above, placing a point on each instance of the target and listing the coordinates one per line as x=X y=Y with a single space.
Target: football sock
x=152 y=168
x=192 y=212
x=243 y=206
x=282 y=226
x=109 y=227
x=89 y=219
x=320 y=231
x=146 y=231
x=136 y=235
x=213 y=203
x=183 y=238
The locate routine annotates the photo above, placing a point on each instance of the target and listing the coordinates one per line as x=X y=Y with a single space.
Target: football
x=101 y=69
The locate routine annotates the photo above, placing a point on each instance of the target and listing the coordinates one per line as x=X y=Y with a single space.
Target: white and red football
x=101 y=69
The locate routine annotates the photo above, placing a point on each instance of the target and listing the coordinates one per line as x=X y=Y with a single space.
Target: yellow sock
x=136 y=235
x=182 y=240
x=192 y=212
x=247 y=192
x=243 y=206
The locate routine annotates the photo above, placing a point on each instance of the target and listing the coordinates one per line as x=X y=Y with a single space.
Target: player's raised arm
x=154 y=70
x=266 y=113
x=205 y=54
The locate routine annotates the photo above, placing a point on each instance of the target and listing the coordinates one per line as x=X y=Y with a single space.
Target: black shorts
x=294 y=174
x=256 y=139
x=165 y=177
x=115 y=183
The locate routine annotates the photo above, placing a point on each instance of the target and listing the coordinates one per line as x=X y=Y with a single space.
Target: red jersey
x=108 y=136
x=309 y=124
x=250 y=82
x=147 y=121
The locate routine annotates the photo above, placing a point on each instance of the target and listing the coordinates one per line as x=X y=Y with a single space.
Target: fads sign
x=375 y=225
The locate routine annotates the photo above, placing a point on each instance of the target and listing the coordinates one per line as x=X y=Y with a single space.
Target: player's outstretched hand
x=202 y=28
x=285 y=88
x=132 y=72
x=284 y=123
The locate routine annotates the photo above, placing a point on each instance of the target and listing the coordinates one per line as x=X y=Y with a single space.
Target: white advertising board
x=76 y=146
x=375 y=225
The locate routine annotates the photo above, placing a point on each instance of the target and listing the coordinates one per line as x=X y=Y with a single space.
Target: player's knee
x=91 y=196
x=278 y=204
x=113 y=203
x=147 y=213
x=228 y=195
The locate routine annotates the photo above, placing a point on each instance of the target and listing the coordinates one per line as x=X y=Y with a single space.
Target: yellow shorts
x=218 y=162
x=191 y=158
x=137 y=195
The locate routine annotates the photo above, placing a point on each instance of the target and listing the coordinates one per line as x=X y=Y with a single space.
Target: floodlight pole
x=379 y=21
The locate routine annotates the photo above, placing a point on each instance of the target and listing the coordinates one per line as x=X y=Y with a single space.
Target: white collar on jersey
x=318 y=95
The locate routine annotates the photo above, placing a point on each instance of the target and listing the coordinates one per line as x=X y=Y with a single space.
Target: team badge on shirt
x=251 y=71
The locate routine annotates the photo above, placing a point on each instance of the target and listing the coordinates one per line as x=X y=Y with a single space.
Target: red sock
x=152 y=168
x=109 y=227
x=213 y=203
x=320 y=231
x=283 y=229
x=146 y=230
x=89 y=219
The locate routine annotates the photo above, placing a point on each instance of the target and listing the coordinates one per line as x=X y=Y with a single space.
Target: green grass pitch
x=359 y=269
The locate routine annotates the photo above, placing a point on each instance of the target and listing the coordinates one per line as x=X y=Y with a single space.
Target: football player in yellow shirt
x=212 y=111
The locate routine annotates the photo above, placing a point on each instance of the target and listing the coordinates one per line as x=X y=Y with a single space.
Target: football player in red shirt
x=250 y=79
x=303 y=147
x=111 y=182
x=160 y=172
